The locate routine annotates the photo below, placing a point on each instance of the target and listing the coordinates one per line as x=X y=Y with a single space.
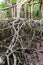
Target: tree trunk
x=42 y=8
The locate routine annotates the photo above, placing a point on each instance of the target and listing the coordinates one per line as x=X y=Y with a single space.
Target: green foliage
x=5 y=13
x=34 y=0
x=3 y=5
x=37 y=10
x=13 y=1
x=27 y=7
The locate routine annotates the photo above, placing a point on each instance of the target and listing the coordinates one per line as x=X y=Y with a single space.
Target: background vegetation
x=36 y=11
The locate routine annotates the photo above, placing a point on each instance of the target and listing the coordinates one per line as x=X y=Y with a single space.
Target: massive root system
x=21 y=42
